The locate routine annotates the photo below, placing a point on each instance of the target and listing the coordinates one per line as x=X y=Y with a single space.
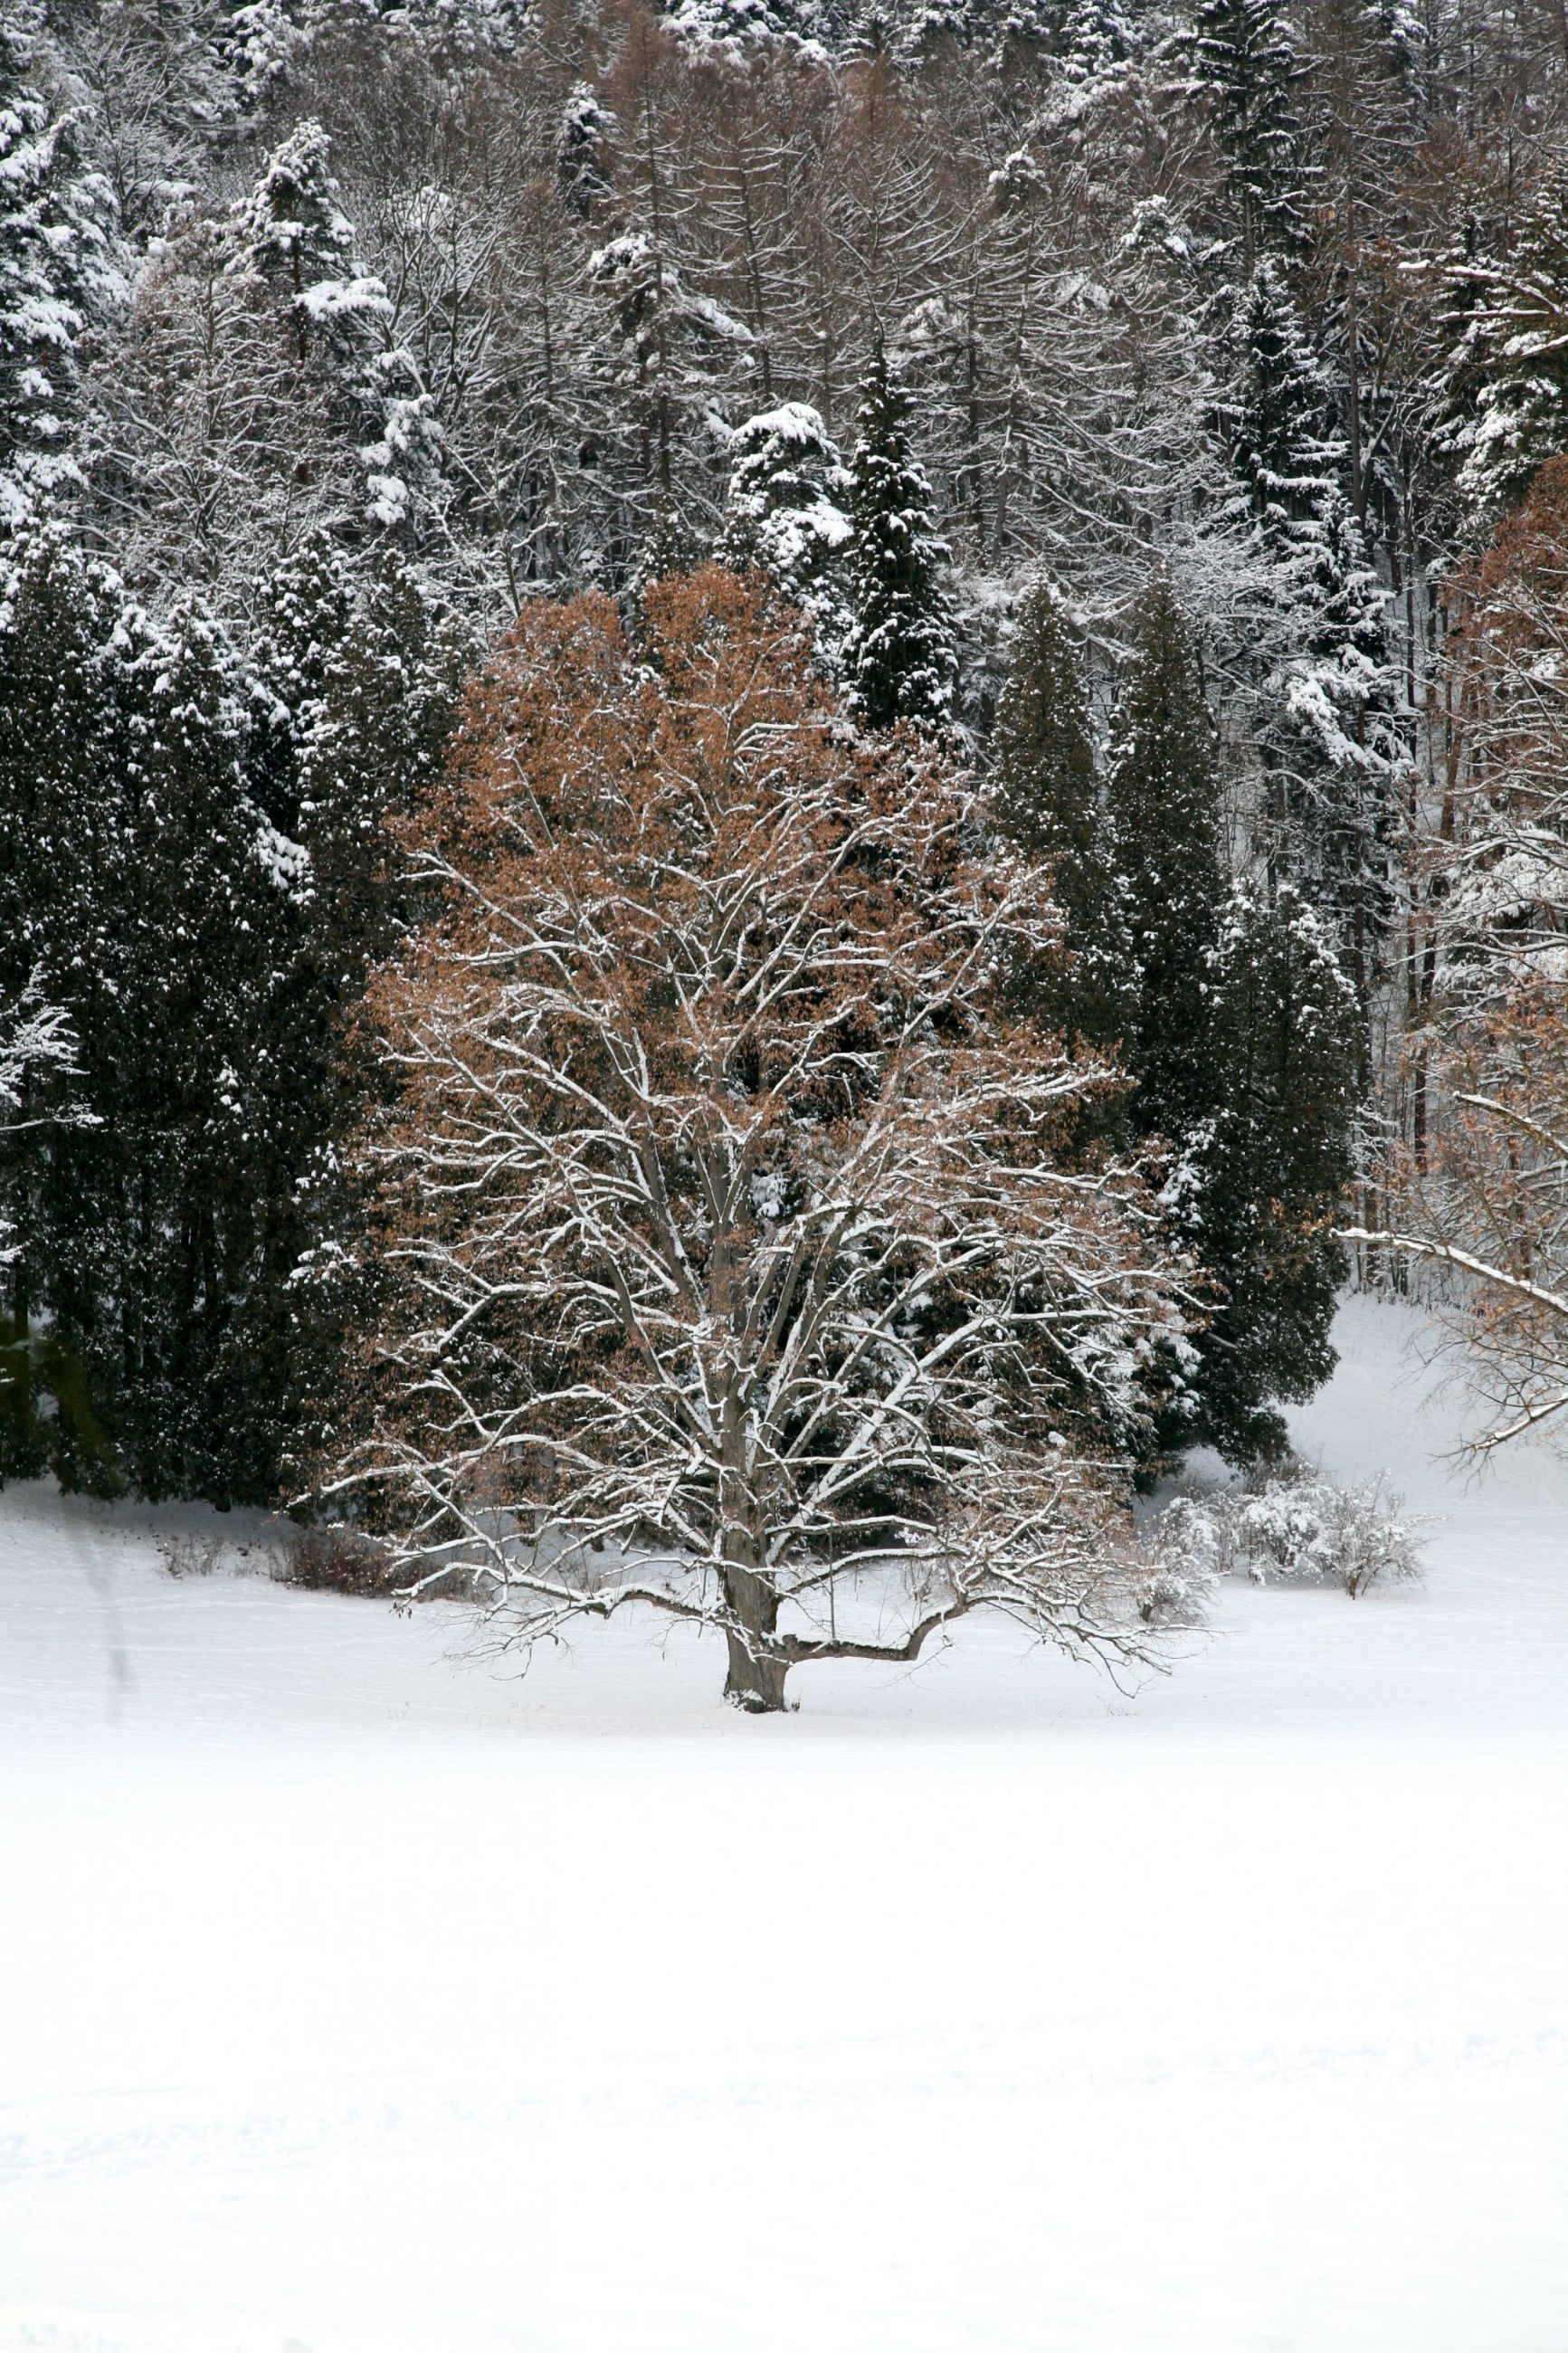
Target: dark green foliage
x=1326 y=738
x=1282 y=442
x=900 y=659
x=195 y=869
x=1509 y=368
x=1245 y=1054
x=47 y=1421
x=1048 y=798
x=1262 y=1178
x=1245 y=54
x=1164 y=792
x=51 y=249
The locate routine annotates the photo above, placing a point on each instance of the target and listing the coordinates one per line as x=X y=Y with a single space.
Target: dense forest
x=1130 y=441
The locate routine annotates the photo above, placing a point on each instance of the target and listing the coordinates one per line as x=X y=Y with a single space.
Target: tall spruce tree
x=53 y=264
x=900 y=660
x=785 y=511
x=1326 y=737
x=193 y=864
x=60 y=865
x=1245 y=54
x=1047 y=800
x=1164 y=794
x=1244 y=1054
x=1261 y=1177
x=1509 y=370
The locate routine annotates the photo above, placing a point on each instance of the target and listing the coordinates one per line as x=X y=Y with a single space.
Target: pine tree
x=54 y=265
x=1283 y=445
x=360 y=675
x=1325 y=735
x=292 y=231
x=1245 y=54
x=1163 y=793
x=1259 y=1184
x=1509 y=371
x=784 y=512
x=194 y=865
x=1047 y=800
x=899 y=660
x=59 y=872
x=1339 y=741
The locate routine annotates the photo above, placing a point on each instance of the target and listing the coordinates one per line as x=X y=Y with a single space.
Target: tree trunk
x=756 y=1678
x=755 y=1684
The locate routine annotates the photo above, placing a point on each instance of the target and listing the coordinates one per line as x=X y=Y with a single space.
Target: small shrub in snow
x=190 y=1555
x=1300 y=1527
x=333 y=1560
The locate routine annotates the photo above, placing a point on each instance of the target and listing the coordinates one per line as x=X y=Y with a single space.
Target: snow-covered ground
x=354 y=2000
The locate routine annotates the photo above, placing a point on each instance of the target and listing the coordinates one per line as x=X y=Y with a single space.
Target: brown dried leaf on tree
x=1484 y=1191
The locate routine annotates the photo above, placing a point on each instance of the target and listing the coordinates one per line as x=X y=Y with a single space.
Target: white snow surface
x=356 y=1998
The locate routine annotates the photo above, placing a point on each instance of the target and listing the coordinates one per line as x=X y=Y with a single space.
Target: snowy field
x=353 y=1999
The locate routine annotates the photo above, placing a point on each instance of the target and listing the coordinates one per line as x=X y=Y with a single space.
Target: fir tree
x=784 y=512
x=292 y=232
x=1047 y=799
x=192 y=863
x=59 y=871
x=1245 y=54
x=1326 y=737
x=1509 y=373
x=1282 y=442
x=1164 y=794
x=53 y=264
x=1259 y=1184
x=899 y=657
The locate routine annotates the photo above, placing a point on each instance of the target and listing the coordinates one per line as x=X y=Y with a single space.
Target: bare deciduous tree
x=1484 y=1191
x=735 y=1258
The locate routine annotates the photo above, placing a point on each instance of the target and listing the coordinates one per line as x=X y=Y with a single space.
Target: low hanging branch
x=735 y=1257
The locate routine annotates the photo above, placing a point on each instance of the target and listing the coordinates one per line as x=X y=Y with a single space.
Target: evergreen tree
x=1245 y=54
x=1326 y=735
x=53 y=264
x=59 y=869
x=1262 y=1175
x=1047 y=799
x=1282 y=441
x=899 y=657
x=784 y=512
x=1164 y=794
x=1509 y=371
x=291 y=230
x=194 y=865
x=361 y=677
x=1339 y=742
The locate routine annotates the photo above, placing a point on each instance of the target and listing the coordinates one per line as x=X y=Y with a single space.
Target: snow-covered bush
x=1300 y=1527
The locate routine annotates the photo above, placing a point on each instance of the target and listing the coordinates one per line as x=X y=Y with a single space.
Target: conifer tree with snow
x=55 y=265
x=1048 y=801
x=292 y=231
x=193 y=868
x=1282 y=441
x=1509 y=371
x=900 y=659
x=1164 y=794
x=356 y=683
x=1263 y=1176
x=1244 y=1055
x=1325 y=735
x=1245 y=55
x=785 y=513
